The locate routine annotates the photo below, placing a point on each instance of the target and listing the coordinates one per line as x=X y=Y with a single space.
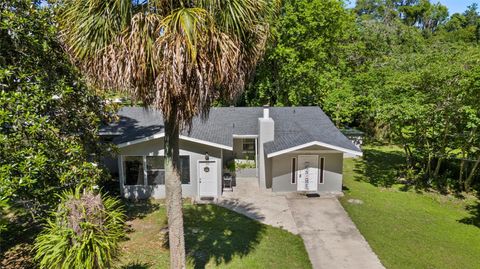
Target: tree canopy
x=48 y=117
x=405 y=72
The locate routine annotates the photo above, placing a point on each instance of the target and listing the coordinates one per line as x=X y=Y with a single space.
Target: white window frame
x=146 y=170
x=124 y=167
x=321 y=170
x=249 y=141
x=145 y=179
x=189 y=169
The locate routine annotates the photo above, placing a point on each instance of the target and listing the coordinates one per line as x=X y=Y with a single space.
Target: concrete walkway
x=261 y=205
x=330 y=237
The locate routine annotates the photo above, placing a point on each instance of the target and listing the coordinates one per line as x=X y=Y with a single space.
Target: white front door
x=307 y=173
x=207 y=178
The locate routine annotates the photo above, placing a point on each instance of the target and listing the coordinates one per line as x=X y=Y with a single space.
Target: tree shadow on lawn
x=139 y=209
x=214 y=232
x=21 y=229
x=474 y=218
x=135 y=265
x=379 y=168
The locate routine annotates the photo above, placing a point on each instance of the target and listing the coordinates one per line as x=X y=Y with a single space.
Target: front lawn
x=406 y=228
x=215 y=238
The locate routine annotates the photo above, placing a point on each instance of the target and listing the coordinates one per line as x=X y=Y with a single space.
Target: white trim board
x=316 y=151
x=182 y=137
x=244 y=136
x=187 y=138
x=314 y=143
x=141 y=140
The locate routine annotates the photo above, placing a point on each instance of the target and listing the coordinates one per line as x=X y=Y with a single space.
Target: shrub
x=83 y=233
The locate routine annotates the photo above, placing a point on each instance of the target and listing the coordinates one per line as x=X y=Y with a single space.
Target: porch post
x=121 y=176
x=256 y=156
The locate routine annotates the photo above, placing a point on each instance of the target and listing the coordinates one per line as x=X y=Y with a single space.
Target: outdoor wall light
x=206 y=156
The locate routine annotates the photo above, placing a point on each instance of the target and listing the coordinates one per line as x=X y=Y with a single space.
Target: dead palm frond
x=167 y=53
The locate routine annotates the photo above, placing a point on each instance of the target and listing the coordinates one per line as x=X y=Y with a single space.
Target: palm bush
x=83 y=232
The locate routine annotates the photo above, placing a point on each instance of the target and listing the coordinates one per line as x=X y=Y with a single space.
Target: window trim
x=189 y=170
x=125 y=167
x=147 y=170
x=145 y=179
x=249 y=153
x=321 y=170
x=293 y=171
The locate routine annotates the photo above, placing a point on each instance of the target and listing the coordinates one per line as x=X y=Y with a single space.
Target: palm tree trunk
x=174 y=194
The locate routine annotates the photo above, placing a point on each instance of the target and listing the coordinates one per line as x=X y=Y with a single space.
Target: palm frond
x=175 y=57
x=89 y=26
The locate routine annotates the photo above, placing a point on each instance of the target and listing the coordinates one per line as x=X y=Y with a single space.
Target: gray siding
x=281 y=172
x=155 y=147
x=268 y=172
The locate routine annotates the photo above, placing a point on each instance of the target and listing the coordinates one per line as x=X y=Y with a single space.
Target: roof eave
x=314 y=143
x=182 y=137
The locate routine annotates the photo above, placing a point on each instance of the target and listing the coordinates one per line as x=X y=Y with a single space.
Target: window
x=248 y=148
x=155 y=170
x=294 y=171
x=185 y=169
x=322 y=166
x=133 y=170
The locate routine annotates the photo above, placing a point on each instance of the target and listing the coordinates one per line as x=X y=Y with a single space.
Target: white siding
x=281 y=172
x=155 y=147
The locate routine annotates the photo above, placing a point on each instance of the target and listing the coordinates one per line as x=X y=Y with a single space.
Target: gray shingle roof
x=294 y=126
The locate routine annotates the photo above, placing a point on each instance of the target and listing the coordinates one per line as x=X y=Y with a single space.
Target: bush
x=83 y=233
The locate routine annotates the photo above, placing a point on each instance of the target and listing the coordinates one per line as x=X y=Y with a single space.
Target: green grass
x=408 y=228
x=215 y=238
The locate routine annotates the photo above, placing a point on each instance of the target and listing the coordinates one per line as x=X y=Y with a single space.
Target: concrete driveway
x=330 y=237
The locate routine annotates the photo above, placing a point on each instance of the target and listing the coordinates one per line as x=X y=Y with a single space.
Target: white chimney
x=266 y=113
x=266 y=133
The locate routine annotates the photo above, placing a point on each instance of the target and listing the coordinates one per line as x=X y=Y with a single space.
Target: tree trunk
x=442 y=150
x=468 y=181
x=408 y=156
x=437 y=168
x=173 y=188
x=460 y=175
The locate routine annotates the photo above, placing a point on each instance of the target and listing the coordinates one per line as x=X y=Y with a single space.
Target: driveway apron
x=330 y=237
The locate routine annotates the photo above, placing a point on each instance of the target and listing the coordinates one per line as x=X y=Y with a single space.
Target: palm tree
x=176 y=56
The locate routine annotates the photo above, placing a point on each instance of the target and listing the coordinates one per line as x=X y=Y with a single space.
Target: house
x=293 y=149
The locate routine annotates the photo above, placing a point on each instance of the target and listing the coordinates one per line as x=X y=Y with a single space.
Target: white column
x=256 y=156
x=121 y=175
x=145 y=182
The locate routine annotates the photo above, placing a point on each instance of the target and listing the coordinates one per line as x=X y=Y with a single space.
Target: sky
x=454 y=6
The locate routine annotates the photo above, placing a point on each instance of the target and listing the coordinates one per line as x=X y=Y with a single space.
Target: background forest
x=405 y=72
